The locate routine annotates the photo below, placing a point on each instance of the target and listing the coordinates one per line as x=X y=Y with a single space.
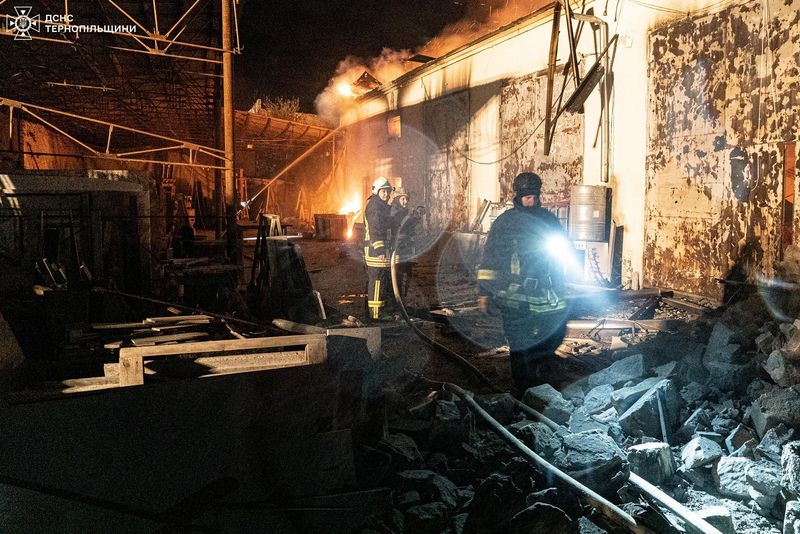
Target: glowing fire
x=345 y=89
x=351 y=209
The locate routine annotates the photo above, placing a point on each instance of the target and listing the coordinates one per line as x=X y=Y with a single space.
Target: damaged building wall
x=479 y=107
x=522 y=112
x=495 y=70
x=722 y=105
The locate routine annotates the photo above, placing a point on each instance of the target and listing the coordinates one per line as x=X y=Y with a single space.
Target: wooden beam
x=551 y=73
x=131 y=360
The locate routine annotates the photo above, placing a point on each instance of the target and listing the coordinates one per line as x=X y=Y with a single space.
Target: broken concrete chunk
x=791 y=518
x=594 y=458
x=653 y=462
x=722 y=346
x=642 y=418
x=408 y=499
x=580 y=421
x=773 y=441
x=665 y=371
x=730 y=476
x=700 y=477
x=587 y=527
x=496 y=499
x=430 y=486
x=549 y=402
x=693 y=392
x=698 y=421
x=729 y=376
x=738 y=437
x=692 y=359
x=700 y=451
x=765 y=484
x=623 y=398
x=722 y=424
x=429 y=517
x=610 y=420
x=574 y=392
x=619 y=372
x=540 y=438
x=500 y=406
x=450 y=426
x=790 y=462
x=598 y=399
x=716 y=437
x=747 y=450
x=718 y=517
x=791 y=349
x=784 y=371
x=779 y=405
x=403 y=450
x=764 y=343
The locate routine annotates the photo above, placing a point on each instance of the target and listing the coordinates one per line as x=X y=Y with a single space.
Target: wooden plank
x=172 y=338
x=131 y=369
x=131 y=359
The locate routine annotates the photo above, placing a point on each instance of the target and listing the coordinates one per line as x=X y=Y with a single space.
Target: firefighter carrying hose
x=377 y=223
x=520 y=276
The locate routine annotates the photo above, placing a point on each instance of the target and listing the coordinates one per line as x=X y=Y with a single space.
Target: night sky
x=291 y=48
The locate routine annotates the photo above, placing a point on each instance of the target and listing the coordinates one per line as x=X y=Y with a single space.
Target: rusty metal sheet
x=446 y=123
x=717 y=117
x=523 y=105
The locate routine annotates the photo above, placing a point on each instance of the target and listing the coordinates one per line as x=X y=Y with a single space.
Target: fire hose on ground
x=610 y=510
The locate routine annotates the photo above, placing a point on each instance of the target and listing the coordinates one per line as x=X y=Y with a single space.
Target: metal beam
x=551 y=73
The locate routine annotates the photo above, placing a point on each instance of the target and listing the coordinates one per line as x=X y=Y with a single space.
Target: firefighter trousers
x=378 y=288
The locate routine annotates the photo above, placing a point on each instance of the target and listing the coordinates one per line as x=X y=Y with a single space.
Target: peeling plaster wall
x=447 y=122
x=722 y=101
x=522 y=112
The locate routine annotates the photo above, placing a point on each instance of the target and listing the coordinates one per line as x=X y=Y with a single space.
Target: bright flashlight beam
x=558 y=246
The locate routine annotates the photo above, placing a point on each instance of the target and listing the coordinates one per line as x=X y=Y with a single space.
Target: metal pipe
x=687 y=515
x=610 y=510
x=450 y=353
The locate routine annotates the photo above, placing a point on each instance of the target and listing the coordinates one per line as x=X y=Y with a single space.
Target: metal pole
x=227 y=103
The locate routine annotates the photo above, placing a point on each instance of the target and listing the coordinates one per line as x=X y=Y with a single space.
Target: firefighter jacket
x=403 y=230
x=517 y=270
x=377 y=227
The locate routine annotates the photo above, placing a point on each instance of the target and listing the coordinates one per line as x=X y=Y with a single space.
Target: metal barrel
x=588 y=213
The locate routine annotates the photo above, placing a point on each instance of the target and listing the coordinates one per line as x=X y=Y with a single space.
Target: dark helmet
x=527 y=183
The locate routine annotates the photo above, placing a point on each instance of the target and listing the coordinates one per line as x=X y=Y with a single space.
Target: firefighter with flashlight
x=377 y=225
x=521 y=276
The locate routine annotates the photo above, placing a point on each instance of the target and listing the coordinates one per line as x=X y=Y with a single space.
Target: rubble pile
x=714 y=425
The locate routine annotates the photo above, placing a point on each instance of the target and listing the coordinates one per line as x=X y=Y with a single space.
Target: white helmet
x=381 y=183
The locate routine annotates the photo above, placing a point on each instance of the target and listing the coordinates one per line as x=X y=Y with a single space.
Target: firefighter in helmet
x=404 y=228
x=522 y=279
x=377 y=226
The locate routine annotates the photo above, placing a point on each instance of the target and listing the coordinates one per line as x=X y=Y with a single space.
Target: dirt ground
x=442 y=300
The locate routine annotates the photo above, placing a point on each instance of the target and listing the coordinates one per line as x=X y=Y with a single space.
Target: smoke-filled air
x=349 y=80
